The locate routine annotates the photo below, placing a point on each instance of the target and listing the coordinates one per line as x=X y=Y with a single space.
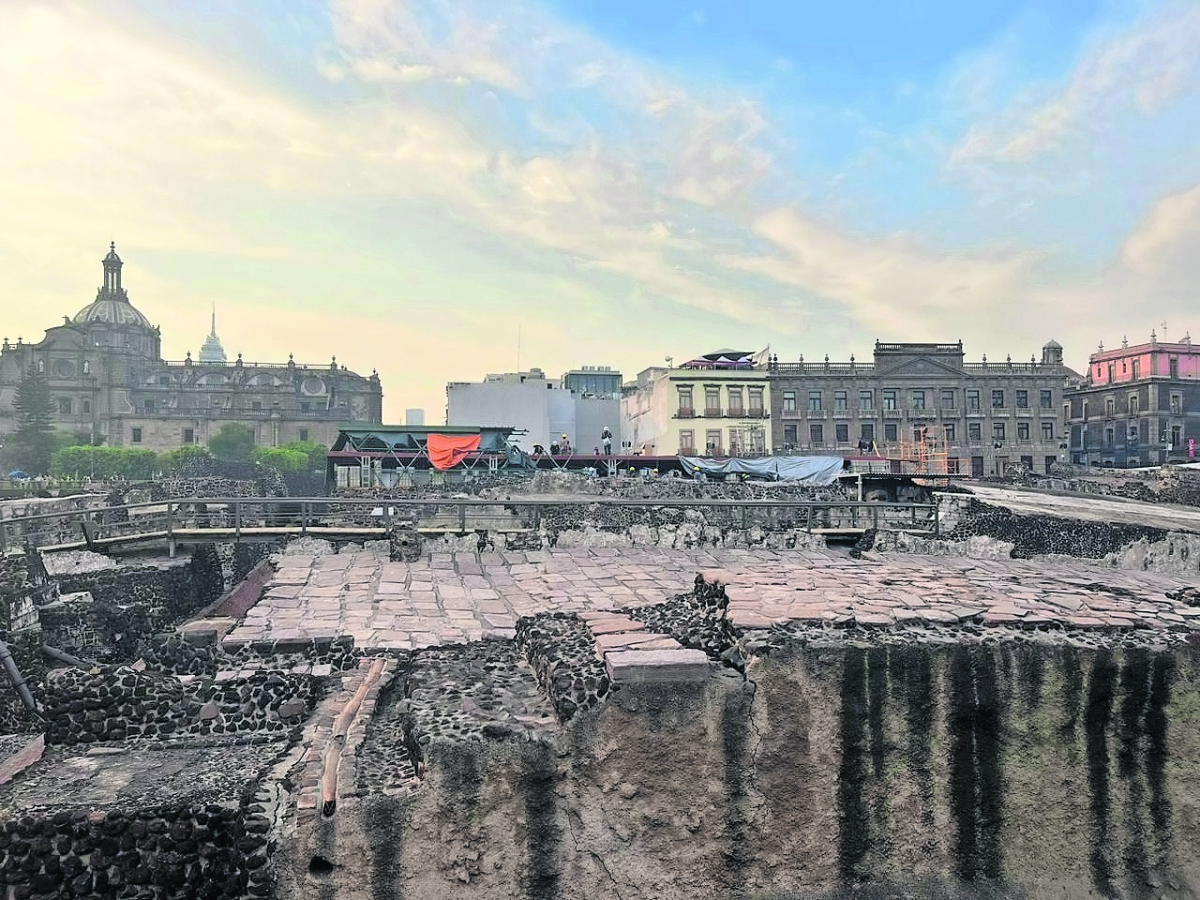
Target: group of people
x=562 y=447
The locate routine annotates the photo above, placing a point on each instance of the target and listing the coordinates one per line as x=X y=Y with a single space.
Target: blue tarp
x=816 y=470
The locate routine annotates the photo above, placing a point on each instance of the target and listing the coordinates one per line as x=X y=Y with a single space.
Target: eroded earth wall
x=1060 y=770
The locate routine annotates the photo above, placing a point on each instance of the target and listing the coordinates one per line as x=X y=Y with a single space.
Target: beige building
x=108 y=379
x=718 y=404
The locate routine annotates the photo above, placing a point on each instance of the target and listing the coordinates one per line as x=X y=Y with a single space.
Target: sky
x=441 y=189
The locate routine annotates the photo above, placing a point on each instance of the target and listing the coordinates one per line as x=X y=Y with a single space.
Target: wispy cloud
x=1141 y=69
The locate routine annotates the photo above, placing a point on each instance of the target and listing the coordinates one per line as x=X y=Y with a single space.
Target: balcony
x=893 y=414
x=685 y=412
x=815 y=414
x=757 y=412
x=735 y=413
x=791 y=414
x=975 y=411
x=843 y=414
x=712 y=412
x=1024 y=411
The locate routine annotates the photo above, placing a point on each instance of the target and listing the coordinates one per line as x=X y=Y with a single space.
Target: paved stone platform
x=451 y=598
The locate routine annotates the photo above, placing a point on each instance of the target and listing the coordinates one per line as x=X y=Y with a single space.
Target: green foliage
x=233 y=442
x=314 y=454
x=281 y=459
x=174 y=460
x=34 y=440
x=105 y=462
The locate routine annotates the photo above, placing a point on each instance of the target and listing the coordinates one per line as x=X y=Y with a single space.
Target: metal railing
x=204 y=519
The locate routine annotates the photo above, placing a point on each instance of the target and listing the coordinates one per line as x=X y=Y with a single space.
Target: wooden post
x=170 y=529
x=237 y=521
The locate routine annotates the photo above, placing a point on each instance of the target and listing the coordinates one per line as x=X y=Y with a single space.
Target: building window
x=304 y=434
x=1022 y=431
x=789 y=436
x=977 y=466
x=1137 y=369
x=712 y=402
x=868 y=433
x=918 y=435
x=256 y=405
x=712 y=441
x=973 y=400
x=136 y=435
x=87 y=407
x=948 y=430
x=889 y=431
x=947 y=398
x=1111 y=373
x=735 y=403
x=685 y=401
x=843 y=433
x=1133 y=404
x=1173 y=366
x=814 y=401
x=789 y=401
x=1027 y=463
x=997 y=431
x=866 y=399
x=305 y=406
x=998 y=399
x=1022 y=399
x=1176 y=404
x=1176 y=436
x=974 y=431
x=756 y=401
x=687 y=442
x=918 y=399
x=164 y=379
x=816 y=434
x=735 y=445
x=952 y=465
x=1046 y=399
x=889 y=399
x=1109 y=435
x=1110 y=407
x=1133 y=434
x=1067 y=411
x=839 y=401
x=64 y=406
x=189 y=435
x=1047 y=431
x=148 y=406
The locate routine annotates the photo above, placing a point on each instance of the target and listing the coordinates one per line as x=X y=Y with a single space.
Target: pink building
x=1139 y=405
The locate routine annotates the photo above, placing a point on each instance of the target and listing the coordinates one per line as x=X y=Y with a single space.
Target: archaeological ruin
x=562 y=685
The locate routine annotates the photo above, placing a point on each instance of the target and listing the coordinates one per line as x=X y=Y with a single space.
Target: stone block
x=648 y=666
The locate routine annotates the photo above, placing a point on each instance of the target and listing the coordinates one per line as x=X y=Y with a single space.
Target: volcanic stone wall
x=210 y=851
x=130 y=605
x=120 y=703
x=176 y=655
x=1040 y=535
x=23 y=584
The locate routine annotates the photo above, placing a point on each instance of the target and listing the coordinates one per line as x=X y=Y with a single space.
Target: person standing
x=606 y=441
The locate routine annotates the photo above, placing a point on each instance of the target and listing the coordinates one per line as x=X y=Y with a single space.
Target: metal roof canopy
x=392 y=438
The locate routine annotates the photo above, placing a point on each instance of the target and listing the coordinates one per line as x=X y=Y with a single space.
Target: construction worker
x=606 y=441
x=564 y=446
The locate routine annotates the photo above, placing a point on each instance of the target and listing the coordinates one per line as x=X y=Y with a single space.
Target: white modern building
x=718 y=404
x=541 y=408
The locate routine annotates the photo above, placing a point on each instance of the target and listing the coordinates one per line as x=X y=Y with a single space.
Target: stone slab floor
x=455 y=597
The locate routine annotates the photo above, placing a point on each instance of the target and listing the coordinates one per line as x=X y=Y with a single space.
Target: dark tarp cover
x=815 y=470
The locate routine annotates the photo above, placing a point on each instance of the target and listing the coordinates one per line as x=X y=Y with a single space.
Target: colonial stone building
x=109 y=380
x=1139 y=406
x=924 y=402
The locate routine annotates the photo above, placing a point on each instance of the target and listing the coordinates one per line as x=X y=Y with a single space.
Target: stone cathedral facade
x=108 y=380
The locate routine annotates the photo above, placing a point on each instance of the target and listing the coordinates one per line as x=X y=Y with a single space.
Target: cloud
x=1142 y=69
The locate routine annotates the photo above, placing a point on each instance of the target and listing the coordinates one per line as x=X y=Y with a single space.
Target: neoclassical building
x=108 y=379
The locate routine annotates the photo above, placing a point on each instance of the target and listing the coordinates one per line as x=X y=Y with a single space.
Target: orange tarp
x=446 y=451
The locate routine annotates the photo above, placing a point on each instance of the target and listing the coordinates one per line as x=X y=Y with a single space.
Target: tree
x=129 y=463
x=314 y=454
x=281 y=459
x=176 y=461
x=233 y=442
x=34 y=440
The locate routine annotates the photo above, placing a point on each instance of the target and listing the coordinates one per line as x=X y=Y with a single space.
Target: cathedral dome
x=111 y=306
